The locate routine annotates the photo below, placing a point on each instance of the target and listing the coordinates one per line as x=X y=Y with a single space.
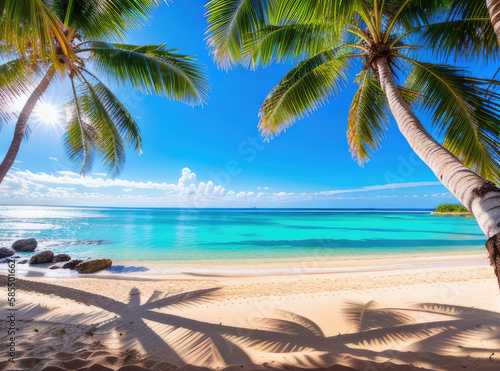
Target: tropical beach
x=249 y=185
x=385 y=307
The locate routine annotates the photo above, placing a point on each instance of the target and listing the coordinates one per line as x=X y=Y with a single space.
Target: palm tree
x=48 y=41
x=382 y=38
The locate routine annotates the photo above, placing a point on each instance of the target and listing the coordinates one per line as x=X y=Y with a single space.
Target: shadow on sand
x=380 y=338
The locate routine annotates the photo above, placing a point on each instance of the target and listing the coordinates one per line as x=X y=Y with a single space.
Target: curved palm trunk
x=477 y=194
x=494 y=10
x=22 y=121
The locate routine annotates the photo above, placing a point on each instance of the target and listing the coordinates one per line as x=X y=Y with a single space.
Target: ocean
x=171 y=235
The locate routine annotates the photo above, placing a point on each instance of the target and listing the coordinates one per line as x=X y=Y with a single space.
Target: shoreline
x=267 y=267
x=319 y=265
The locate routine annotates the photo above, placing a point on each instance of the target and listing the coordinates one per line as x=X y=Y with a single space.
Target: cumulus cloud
x=28 y=187
x=72 y=178
x=187 y=179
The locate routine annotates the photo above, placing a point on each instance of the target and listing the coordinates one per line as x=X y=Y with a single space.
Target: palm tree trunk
x=477 y=194
x=22 y=121
x=494 y=10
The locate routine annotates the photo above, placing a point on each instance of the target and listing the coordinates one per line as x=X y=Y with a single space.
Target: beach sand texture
x=433 y=319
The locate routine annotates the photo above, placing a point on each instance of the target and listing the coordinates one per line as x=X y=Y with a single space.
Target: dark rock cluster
x=47 y=256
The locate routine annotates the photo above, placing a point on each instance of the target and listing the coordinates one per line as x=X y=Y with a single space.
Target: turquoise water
x=180 y=235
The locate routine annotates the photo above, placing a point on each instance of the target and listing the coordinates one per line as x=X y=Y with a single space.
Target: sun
x=48 y=115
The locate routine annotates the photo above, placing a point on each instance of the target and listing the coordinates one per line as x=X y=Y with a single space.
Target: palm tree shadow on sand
x=380 y=338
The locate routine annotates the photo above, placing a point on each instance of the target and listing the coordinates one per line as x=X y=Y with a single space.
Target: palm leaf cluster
x=65 y=35
x=328 y=40
x=465 y=31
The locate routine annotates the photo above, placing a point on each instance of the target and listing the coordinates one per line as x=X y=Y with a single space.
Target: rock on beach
x=43 y=257
x=25 y=245
x=93 y=266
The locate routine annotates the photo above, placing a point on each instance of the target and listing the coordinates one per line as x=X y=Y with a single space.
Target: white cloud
x=383 y=187
x=67 y=187
x=69 y=173
x=53 y=159
x=187 y=178
x=72 y=178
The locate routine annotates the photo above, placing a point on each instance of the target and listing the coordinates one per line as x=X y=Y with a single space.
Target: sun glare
x=48 y=115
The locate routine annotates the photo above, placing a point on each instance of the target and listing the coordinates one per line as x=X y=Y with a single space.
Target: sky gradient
x=213 y=156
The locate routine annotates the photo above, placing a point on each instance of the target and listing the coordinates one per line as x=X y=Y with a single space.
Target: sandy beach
x=189 y=203
x=439 y=317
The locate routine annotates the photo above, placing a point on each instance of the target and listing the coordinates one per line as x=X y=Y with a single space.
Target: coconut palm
x=327 y=40
x=48 y=41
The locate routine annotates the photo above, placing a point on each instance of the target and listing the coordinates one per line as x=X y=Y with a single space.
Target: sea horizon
x=226 y=208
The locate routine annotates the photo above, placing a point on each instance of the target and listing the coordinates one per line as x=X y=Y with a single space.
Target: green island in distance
x=452 y=210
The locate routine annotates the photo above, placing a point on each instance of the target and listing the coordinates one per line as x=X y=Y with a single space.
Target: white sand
x=438 y=317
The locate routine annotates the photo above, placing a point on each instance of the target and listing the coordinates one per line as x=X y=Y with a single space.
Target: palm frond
x=104 y=19
x=288 y=43
x=287 y=12
x=230 y=22
x=303 y=90
x=27 y=132
x=122 y=119
x=79 y=145
x=17 y=78
x=31 y=27
x=335 y=12
x=79 y=137
x=467 y=9
x=471 y=39
x=106 y=136
x=466 y=32
x=412 y=97
x=414 y=13
x=368 y=118
x=151 y=68
x=464 y=111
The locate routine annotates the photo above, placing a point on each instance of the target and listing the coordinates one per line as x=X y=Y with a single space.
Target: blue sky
x=308 y=166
